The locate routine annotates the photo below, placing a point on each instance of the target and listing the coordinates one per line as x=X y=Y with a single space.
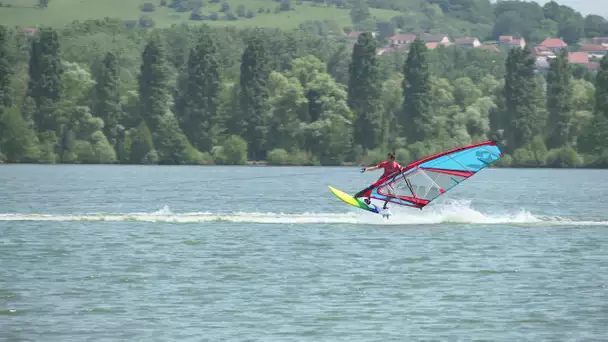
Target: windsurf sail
x=422 y=181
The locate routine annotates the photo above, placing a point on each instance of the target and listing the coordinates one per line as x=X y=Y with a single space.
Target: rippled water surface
x=262 y=253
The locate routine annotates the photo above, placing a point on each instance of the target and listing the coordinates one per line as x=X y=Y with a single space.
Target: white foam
x=459 y=212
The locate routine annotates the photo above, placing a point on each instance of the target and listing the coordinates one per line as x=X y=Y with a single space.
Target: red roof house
x=578 y=57
x=555 y=44
x=512 y=41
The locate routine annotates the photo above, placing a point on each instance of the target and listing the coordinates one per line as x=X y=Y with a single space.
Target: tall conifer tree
x=45 y=70
x=559 y=101
x=199 y=93
x=254 y=98
x=153 y=84
x=5 y=70
x=106 y=97
x=521 y=91
x=364 y=89
x=417 y=118
x=601 y=89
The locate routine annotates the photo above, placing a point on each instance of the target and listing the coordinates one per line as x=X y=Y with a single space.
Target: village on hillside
x=588 y=52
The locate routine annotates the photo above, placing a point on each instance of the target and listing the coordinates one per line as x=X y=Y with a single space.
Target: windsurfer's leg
x=391 y=191
x=360 y=193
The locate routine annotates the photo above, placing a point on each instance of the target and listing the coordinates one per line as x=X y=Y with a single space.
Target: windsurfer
x=390 y=166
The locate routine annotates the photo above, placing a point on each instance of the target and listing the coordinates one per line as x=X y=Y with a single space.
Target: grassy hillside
x=60 y=12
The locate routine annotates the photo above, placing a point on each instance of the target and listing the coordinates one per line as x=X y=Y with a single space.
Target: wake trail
x=460 y=213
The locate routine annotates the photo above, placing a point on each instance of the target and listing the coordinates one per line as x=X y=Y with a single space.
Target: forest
x=100 y=91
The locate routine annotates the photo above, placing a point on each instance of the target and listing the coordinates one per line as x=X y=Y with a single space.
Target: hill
x=61 y=12
x=286 y=14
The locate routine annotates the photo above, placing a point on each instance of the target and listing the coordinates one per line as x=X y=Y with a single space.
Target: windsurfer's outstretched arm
x=371 y=168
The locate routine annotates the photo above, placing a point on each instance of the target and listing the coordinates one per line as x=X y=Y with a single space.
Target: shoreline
x=266 y=164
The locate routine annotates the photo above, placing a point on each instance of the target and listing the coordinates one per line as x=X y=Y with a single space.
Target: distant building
x=354 y=35
x=432 y=46
x=385 y=51
x=489 y=47
x=554 y=44
x=600 y=40
x=594 y=50
x=30 y=31
x=401 y=39
x=542 y=52
x=512 y=41
x=435 y=38
x=578 y=57
x=470 y=42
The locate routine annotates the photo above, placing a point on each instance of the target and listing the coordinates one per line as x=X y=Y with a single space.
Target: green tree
x=103 y=151
x=364 y=89
x=254 y=97
x=153 y=84
x=594 y=139
x=392 y=99
x=288 y=104
x=596 y=26
x=465 y=92
x=172 y=145
x=76 y=84
x=142 y=148
x=198 y=97
x=169 y=140
x=5 y=69
x=106 y=97
x=601 y=89
x=521 y=99
x=359 y=12
x=417 y=118
x=559 y=101
x=232 y=152
x=17 y=140
x=45 y=70
x=329 y=136
x=338 y=63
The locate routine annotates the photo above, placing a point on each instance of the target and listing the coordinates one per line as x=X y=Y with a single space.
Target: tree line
x=197 y=96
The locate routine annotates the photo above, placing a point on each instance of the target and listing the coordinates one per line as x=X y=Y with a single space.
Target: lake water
x=163 y=253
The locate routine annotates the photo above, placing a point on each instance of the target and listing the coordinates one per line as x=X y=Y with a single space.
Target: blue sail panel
x=424 y=180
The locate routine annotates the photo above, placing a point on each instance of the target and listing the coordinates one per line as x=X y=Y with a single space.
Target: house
x=470 y=42
x=554 y=44
x=354 y=35
x=435 y=38
x=594 y=50
x=582 y=58
x=578 y=57
x=385 y=51
x=489 y=47
x=401 y=39
x=542 y=52
x=512 y=41
x=593 y=66
x=600 y=40
x=542 y=64
x=432 y=46
x=30 y=31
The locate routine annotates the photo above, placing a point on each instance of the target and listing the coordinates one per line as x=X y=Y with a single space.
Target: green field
x=62 y=12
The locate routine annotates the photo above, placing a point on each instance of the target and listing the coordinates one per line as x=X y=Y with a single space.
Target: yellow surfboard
x=355 y=202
